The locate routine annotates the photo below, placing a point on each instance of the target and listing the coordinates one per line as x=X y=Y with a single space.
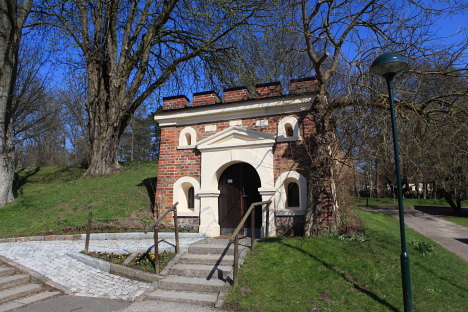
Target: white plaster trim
x=183 y=139
x=235 y=138
x=263 y=123
x=281 y=194
x=238 y=110
x=186 y=147
x=282 y=132
x=180 y=197
x=236 y=122
x=210 y=128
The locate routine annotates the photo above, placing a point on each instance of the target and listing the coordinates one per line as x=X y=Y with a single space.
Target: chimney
x=268 y=89
x=235 y=94
x=175 y=102
x=303 y=85
x=205 y=98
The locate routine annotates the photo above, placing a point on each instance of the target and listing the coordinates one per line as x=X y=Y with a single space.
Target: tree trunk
x=321 y=213
x=106 y=119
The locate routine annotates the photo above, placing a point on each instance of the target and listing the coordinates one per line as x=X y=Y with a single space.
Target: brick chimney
x=175 y=102
x=268 y=89
x=303 y=85
x=235 y=94
x=205 y=98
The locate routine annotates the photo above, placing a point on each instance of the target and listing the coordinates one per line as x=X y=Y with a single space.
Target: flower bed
x=142 y=261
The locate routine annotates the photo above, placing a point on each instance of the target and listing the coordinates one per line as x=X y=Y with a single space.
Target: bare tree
x=13 y=16
x=131 y=48
x=349 y=34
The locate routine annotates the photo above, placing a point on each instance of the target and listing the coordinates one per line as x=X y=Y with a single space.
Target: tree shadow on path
x=363 y=290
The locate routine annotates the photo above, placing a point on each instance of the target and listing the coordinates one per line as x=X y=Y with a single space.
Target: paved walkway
x=449 y=235
x=50 y=258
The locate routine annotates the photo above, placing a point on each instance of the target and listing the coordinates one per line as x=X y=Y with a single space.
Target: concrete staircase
x=17 y=289
x=200 y=274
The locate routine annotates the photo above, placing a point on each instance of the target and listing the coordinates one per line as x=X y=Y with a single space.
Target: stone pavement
x=50 y=259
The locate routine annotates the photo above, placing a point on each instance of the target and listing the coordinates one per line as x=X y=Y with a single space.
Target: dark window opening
x=293 y=195
x=191 y=198
x=289 y=130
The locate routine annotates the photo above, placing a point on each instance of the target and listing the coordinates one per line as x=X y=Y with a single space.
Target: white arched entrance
x=230 y=146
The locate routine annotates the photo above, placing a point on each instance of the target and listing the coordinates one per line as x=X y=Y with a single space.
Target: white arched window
x=187 y=138
x=291 y=194
x=288 y=129
x=185 y=193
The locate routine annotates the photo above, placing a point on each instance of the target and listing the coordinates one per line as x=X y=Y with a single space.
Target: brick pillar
x=205 y=98
x=303 y=85
x=235 y=94
x=268 y=89
x=175 y=102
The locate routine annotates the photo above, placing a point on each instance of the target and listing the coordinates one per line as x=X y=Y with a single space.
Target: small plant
x=354 y=237
x=422 y=246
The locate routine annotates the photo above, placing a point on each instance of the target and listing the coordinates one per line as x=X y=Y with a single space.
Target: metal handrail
x=155 y=223
x=235 y=236
x=244 y=219
x=155 y=226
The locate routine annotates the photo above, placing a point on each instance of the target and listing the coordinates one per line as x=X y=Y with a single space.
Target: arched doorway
x=238 y=186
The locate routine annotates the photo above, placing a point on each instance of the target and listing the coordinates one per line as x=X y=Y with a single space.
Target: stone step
x=200 y=270
x=184 y=296
x=19 y=303
x=13 y=280
x=196 y=284
x=18 y=292
x=6 y=270
x=189 y=258
x=216 y=249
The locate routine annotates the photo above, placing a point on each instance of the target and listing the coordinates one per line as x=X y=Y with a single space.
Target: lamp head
x=389 y=64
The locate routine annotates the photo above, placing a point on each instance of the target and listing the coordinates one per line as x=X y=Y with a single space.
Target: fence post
x=267 y=221
x=88 y=230
x=236 y=259
x=252 y=227
x=156 y=250
x=176 y=230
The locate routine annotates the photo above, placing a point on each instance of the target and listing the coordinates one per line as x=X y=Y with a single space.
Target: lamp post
x=387 y=66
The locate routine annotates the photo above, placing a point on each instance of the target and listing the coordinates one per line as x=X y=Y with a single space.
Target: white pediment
x=236 y=137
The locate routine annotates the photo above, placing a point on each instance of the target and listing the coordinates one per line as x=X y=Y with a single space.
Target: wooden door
x=238 y=187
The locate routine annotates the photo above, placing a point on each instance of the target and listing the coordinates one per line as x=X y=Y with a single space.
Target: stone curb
x=51 y=285
x=100 y=236
x=116 y=269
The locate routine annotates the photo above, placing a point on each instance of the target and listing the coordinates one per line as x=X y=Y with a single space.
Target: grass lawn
x=407 y=202
x=458 y=220
x=333 y=274
x=56 y=200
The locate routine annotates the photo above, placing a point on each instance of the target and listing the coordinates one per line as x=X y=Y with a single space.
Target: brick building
x=217 y=156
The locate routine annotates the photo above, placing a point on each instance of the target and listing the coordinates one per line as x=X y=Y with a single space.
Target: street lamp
x=387 y=66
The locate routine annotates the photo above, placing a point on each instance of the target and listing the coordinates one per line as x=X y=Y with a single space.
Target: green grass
x=407 y=202
x=458 y=220
x=56 y=200
x=337 y=274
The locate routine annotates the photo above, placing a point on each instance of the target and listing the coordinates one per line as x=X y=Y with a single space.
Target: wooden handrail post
x=88 y=230
x=252 y=228
x=176 y=230
x=236 y=260
x=267 y=221
x=156 y=251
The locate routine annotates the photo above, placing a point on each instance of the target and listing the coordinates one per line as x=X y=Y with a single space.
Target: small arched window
x=188 y=138
x=293 y=194
x=191 y=198
x=288 y=130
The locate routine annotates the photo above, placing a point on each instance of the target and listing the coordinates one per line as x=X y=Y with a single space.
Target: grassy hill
x=56 y=200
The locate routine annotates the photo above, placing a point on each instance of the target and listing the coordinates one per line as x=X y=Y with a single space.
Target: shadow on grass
x=346 y=278
x=150 y=185
x=21 y=177
x=441 y=277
